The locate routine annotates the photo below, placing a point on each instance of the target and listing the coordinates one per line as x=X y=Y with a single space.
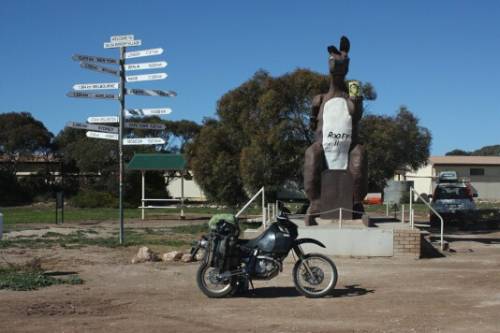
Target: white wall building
x=192 y=191
x=483 y=172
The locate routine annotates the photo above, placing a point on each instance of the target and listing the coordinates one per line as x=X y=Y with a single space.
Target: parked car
x=453 y=200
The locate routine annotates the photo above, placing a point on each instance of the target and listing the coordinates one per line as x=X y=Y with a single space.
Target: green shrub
x=93 y=199
x=30 y=276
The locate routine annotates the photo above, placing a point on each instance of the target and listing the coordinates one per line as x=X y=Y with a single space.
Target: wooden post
x=143 y=192
x=403 y=213
x=182 y=196
x=263 y=207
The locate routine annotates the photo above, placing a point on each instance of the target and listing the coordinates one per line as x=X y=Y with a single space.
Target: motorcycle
x=230 y=264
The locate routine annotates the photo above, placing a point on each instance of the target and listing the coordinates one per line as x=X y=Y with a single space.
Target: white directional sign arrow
x=145 y=126
x=92 y=127
x=100 y=69
x=103 y=120
x=91 y=95
x=100 y=135
x=96 y=86
x=125 y=43
x=143 y=53
x=144 y=141
x=121 y=38
x=146 y=77
x=147 y=112
x=146 y=65
x=87 y=58
x=151 y=92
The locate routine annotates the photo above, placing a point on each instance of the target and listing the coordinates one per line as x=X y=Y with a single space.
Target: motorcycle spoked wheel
x=316 y=280
x=211 y=285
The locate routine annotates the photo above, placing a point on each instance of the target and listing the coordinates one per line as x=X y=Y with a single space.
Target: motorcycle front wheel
x=315 y=275
x=211 y=284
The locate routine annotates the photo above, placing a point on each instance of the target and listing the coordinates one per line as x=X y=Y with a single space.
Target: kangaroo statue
x=335 y=118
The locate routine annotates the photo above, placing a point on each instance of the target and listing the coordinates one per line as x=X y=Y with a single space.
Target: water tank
x=397 y=191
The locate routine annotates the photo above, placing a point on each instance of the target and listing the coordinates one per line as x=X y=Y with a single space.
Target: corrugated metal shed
x=174 y=162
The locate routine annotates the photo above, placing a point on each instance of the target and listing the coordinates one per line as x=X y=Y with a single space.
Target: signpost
x=103 y=120
x=145 y=126
x=144 y=141
x=91 y=95
x=101 y=135
x=151 y=92
x=92 y=127
x=122 y=44
x=147 y=112
x=146 y=77
x=96 y=86
x=143 y=53
x=121 y=38
x=146 y=65
x=94 y=130
x=87 y=58
x=97 y=68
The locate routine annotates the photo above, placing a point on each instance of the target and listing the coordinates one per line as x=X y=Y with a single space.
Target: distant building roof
x=465 y=160
x=170 y=162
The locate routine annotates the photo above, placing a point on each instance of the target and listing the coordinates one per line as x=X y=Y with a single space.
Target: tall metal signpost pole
x=121 y=125
x=94 y=126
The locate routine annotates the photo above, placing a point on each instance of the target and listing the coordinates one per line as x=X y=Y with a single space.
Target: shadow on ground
x=277 y=292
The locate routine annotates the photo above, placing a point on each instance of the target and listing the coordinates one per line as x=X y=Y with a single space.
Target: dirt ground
x=457 y=293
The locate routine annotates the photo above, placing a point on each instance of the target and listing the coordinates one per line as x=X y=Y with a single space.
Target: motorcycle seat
x=248 y=243
x=251 y=243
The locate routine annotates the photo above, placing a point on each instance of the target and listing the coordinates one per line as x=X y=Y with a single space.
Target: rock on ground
x=172 y=256
x=144 y=254
x=186 y=257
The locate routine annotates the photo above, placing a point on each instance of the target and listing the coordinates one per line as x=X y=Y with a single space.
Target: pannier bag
x=224 y=234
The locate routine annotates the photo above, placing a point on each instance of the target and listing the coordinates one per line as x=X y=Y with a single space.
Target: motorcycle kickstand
x=251 y=284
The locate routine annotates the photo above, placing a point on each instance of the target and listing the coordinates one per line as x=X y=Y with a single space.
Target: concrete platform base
x=386 y=238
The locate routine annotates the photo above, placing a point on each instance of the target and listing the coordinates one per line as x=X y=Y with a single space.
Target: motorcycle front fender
x=298 y=242
x=308 y=240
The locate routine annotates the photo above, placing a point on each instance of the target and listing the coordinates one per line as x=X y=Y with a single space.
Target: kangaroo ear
x=345 y=45
x=332 y=49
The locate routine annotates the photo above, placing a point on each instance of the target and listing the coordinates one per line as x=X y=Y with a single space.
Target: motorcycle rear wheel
x=315 y=275
x=208 y=284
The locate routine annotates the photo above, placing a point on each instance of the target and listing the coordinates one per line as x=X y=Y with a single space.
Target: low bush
x=11 y=192
x=30 y=276
x=93 y=199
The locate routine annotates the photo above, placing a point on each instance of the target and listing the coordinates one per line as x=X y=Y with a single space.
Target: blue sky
x=440 y=58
